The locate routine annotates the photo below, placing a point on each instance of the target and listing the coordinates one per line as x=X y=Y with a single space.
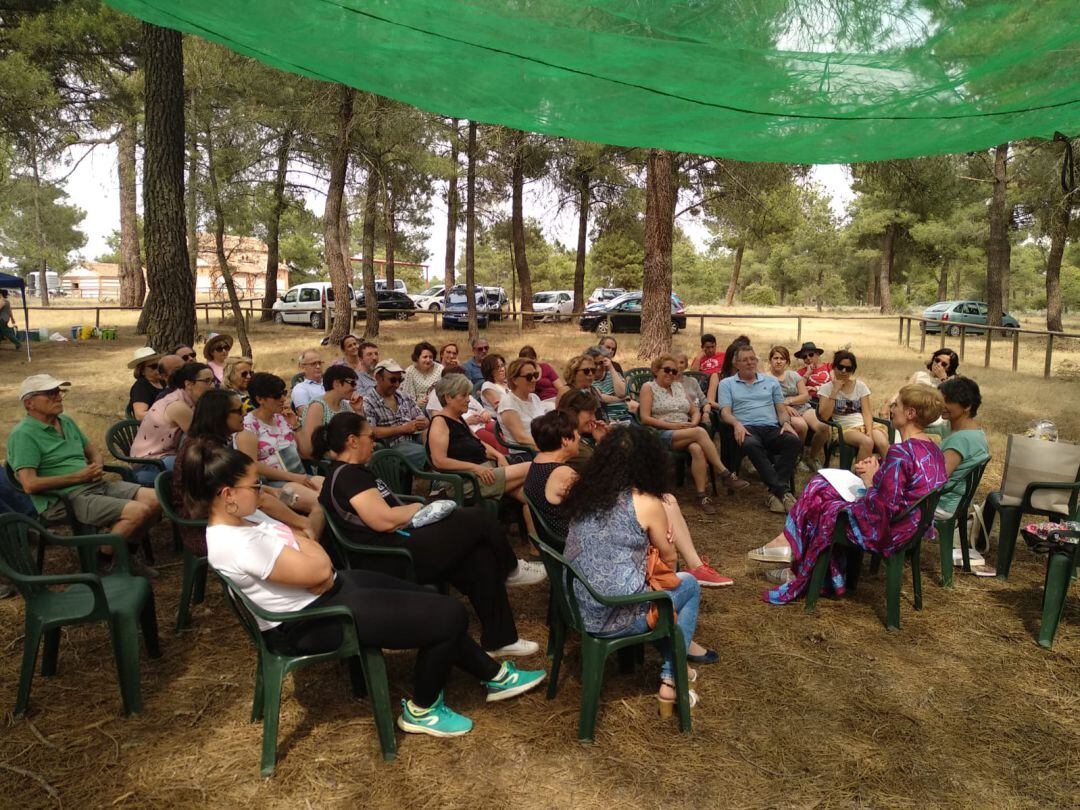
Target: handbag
x=1028 y=460
x=659 y=576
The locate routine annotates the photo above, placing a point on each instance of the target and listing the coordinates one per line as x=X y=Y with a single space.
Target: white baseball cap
x=390 y=366
x=39 y=383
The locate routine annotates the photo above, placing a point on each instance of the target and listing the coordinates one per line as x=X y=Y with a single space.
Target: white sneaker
x=520 y=647
x=974 y=557
x=526 y=573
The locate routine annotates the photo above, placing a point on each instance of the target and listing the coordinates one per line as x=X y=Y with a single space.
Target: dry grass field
x=958 y=709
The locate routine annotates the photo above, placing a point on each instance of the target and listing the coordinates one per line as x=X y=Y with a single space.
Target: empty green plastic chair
x=125 y=602
x=1011 y=516
x=635 y=378
x=367 y=669
x=193 y=580
x=118 y=440
x=595 y=650
x=1062 y=558
x=958 y=519
x=894 y=564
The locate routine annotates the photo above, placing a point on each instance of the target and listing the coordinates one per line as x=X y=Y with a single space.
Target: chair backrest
x=296 y=378
x=702 y=379
x=543 y=528
x=971 y=484
x=129 y=412
x=506 y=441
x=118 y=438
x=635 y=378
x=163 y=489
x=238 y=603
x=925 y=506
x=561 y=575
x=15 y=555
x=393 y=468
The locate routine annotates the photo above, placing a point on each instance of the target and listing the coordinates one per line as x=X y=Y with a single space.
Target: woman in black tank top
x=550 y=477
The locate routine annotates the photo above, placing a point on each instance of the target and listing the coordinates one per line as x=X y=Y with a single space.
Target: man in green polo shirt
x=50 y=454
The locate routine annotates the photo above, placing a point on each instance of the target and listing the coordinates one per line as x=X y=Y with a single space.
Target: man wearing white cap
x=395 y=417
x=50 y=454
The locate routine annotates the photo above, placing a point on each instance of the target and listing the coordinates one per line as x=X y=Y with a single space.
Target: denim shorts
x=666 y=436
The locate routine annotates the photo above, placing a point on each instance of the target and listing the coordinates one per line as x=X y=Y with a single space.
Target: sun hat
x=38 y=383
x=144 y=354
x=808 y=347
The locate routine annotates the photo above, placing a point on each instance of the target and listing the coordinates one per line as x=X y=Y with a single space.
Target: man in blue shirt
x=753 y=404
x=471 y=367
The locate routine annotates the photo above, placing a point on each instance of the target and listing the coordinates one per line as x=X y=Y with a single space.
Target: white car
x=399 y=285
x=430 y=300
x=305 y=303
x=556 y=305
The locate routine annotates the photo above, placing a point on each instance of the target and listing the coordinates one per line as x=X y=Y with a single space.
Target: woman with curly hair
x=615 y=512
x=580 y=373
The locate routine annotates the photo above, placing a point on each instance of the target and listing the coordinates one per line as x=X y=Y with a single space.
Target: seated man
x=311 y=386
x=50 y=454
x=753 y=404
x=395 y=417
x=365 y=381
x=471 y=367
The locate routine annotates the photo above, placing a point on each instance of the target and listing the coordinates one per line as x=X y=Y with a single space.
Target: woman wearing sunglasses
x=846 y=400
x=236 y=377
x=518 y=408
x=665 y=406
x=339 y=383
x=580 y=373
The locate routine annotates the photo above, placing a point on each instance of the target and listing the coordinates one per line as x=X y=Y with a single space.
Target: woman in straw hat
x=148 y=383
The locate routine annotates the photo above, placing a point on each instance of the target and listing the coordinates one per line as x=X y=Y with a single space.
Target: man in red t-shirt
x=708 y=362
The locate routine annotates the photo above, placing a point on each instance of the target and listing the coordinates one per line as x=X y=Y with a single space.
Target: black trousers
x=393 y=614
x=773 y=455
x=469 y=550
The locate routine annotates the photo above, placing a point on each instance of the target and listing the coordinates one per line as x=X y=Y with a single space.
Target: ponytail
x=333 y=436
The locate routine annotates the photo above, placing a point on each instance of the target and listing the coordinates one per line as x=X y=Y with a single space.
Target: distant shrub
x=759 y=295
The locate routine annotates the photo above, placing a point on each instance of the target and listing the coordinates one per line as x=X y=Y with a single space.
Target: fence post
x=922 y=337
x=206 y=312
x=1016 y=349
x=989 y=340
x=798 y=331
x=701 y=326
x=899 y=336
x=963 y=339
x=1049 y=355
x=97 y=317
x=942 y=346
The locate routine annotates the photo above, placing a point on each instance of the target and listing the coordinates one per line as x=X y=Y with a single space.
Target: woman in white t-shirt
x=282 y=570
x=494 y=387
x=846 y=401
x=518 y=408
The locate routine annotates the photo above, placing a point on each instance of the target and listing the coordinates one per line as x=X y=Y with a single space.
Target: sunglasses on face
x=394 y=380
x=312 y=363
x=587 y=371
x=941 y=362
x=669 y=370
x=247 y=374
x=349 y=382
x=481 y=349
x=845 y=369
x=56 y=393
x=187 y=357
x=531 y=376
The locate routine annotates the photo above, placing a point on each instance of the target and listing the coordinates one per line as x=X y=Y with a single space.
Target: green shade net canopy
x=814 y=81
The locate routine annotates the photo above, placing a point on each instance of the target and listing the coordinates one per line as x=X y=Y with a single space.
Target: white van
x=555 y=305
x=306 y=303
x=399 y=285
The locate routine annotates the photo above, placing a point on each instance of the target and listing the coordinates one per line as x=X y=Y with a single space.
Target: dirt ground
x=960 y=708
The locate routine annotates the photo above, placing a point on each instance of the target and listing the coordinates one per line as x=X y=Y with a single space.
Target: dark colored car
x=623 y=314
x=392 y=304
x=456 y=310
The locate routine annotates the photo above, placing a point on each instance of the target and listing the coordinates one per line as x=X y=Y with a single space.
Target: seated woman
x=583 y=408
x=148 y=384
x=551 y=476
x=494 y=388
x=518 y=408
x=580 y=372
x=218 y=420
x=913 y=468
x=159 y=431
x=339 y=383
x=350 y=354
x=692 y=386
x=610 y=386
x=215 y=350
x=797 y=398
x=665 y=406
x=549 y=385
x=268 y=438
x=237 y=373
x=616 y=512
x=479 y=419
x=846 y=401
x=466 y=549
x=283 y=569
x=448 y=354
x=965 y=448
x=424 y=372
x=452 y=447
x=941 y=367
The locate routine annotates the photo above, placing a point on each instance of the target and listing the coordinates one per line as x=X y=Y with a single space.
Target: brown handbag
x=659 y=576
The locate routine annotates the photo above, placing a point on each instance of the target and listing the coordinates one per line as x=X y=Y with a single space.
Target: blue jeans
x=686 y=599
x=146 y=473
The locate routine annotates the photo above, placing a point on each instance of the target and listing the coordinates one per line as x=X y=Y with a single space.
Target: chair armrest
x=1036 y=486
x=839 y=430
x=453 y=479
x=380 y=551
x=325 y=612
x=125 y=473
x=411 y=498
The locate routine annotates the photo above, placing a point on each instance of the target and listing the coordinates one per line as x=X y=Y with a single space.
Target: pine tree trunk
x=660 y=189
x=1059 y=233
x=997 y=245
x=452 y=205
x=273 y=227
x=871 y=287
x=219 y=249
x=888 y=245
x=132 y=284
x=170 y=304
x=470 y=233
x=959 y=279
x=584 y=202
x=943 y=280
x=39 y=226
x=339 y=165
x=193 y=205
x=371 y=215
x=734 y=285
x=517 y=230
x=391 y=234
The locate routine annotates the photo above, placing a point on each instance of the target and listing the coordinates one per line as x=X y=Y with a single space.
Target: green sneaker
x=512 y=681
x=438 y=720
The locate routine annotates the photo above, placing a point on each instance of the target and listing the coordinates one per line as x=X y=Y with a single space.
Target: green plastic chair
x=510 y=444
x=1012 y=515
x=847 y=452
x=946 y=526
x=193 y=581
x=367 y=669
x=118 y=440
x=594 y=649
x=398 y=473
x=635 y=378
x=353 y=554
x=1062 y=559
x=894 y=564
x=129 y=412
x=126 y=602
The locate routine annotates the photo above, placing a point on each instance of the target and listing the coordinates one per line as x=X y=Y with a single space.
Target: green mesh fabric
x=817 y=81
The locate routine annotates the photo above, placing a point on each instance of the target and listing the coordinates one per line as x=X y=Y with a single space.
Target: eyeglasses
x=246 y=374
x=587 y=371
x=941 y=362
x=256 y=488
x=393 y=380
x=531 y=376
x=208 y=380
x=349 y=381
x=56 y=393
x=481 y=349
x=669 y=370
x=217 y=349
x=312 y=363
x=187 y=358
x=844 y=369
